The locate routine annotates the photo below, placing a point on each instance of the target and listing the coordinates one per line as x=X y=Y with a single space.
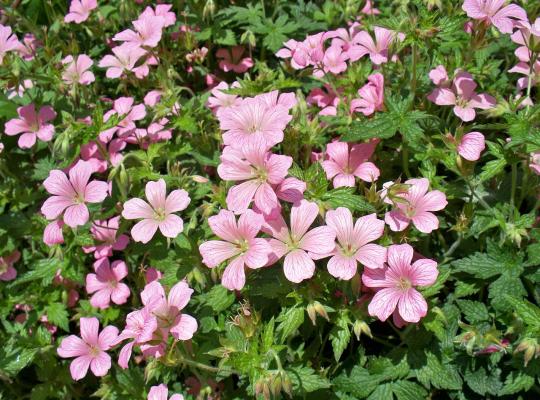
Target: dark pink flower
x=7 y=271
x=231 y=60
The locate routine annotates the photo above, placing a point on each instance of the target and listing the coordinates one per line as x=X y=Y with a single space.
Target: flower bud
x=360 y=327
x=530 y=349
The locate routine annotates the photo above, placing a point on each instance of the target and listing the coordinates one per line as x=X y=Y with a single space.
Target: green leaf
x=306 y=380
x=219 y=298
x=340 y=335
x=490 y=169
x=480 y=265
x=516 y=382
x=474 y=311
x=359 y=383
x=382 y=126
x=44 y=270
x=406 y=390
x=438 y=374
x=527 y=311
x=57 y=315
x=344 y=197
x=14 y=360
x=383 y=392
x=482 y=383
x=290 y=321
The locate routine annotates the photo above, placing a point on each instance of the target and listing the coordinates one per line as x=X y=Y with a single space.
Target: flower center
x=94 y=351
x=404 y=284
x=461 y=102
x=348 y=250
x=243 y=245
x=159 y=214
x=3 y=267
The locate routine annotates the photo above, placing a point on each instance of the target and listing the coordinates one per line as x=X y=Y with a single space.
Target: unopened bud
x=199 y=179
x=530 y=349
x=311 y=313
x=360 y=327
x=209 y=9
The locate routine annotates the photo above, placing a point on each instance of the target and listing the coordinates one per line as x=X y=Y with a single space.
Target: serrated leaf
x=406 y=390
x=516 y=382
x=219 y=298
x=528 y=312
x=474 y=311
x=340 y=335
x=57 y=315
x=290 y=321
x=306 y=380
x=345 y=197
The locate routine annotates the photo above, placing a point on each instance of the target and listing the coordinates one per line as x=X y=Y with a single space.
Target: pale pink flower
x=79 y=10
x=231 y=60
x=525 y=69
x=371 y=96
x=463 y=97
x=8 y=42
x=155 y=132
x=105 y=283
x=239 y=245
x=31 y=125
x=99 y=154
x=167 y=309
x=7 y=271
x=353 y=243
x=125 y=58
x=158 y=214
x=395 y=285
x=439 y=76
x=71 y=195
x=417 y=207
x=471 y=146
x=153 y=97
x=29 y=46
x=524 y=37
x=346 y=162
x=274 y=98
x=347 y=40
x=52 y=234
x=535 y=162
x=161 y=10
x=291 y=190
x=123 y=107
x=140 y=326
x=77 y=70
x=298 y=245
x=494 y=12
x=253 y=119
x=296 y=52
x=147 y=32
x=220 y=100
x=105 y=233
x=369 y=8
x=258 y=170
x=90 y=351
x=378 y=49
x=325 y=98
x=334 y=60
x=18 y=91
x=162 y=393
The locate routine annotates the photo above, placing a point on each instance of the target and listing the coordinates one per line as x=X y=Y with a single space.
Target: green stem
x=405 y=160
x=202 y=366
x=513 y=189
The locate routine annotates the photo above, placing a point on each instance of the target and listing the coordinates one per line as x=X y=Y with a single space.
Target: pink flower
x=296 y=52
x=106 y=285
x=167 y=309
x=161 y=393
x=231 y=60
x=325 y=98
x=371 y=96
x=7 y=272
x=535 y=162
x=239 y=244
x=90 y=351
x=253 y=119
x=298 y=245
x=147 y=32
x=29 y=46
x=258 y=169
x=439 y=76
x=369 y=8
x=158 y=214
x=220 y=100
x=31 y=125
x=71 y=195
x=79 y=10
x=161 y=10
x=125 y=58
x=378 y=49
x=291 y=190
x=123 y=107
x=53 y=233
x=494 y=12
x=417 y=207
x=98 y=153
x=354 y=243
x=8 y=42
x=77 y=70
x=347 y=40
x=105 y=232
x=140 y=326
x=274 y=98
x=463 y=97
x=525 y=69
x=471 y=146
x=395 y=283
x=343 y=165
x=152 y=98
x=334 y=60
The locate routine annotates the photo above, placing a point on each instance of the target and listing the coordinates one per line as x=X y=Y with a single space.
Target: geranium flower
x=343 y=165
x=79 y=10
x=471 y=146
x=99 y=153
x=463 y=97
x=395 y=285
x=167 y=309
x=325 y=98
x=77 y=70
x=347 y=40
x=494 y=12
x=8 y=42
x=31 y=125
x=258 y=169
x=123 y=107
x=161 y=392
x=353 y=243
x=7 y=271
x=231 y=60
x=253 y=119
x=535 y=162
x=369 y=8
x=90 y=351
x=334 y=61
x=106 y=285
x=71 y=195
x=140 y=326
x=147 y=32
x=125 y=58
x=52 y=234
x=378 y=49
x=298 y=245
x=105 y=233
x=371 y=96
x=220 y=100
x=161 y=10
x=239 y=245
x=158 y=214
x=417 y=207
x=439 y=76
